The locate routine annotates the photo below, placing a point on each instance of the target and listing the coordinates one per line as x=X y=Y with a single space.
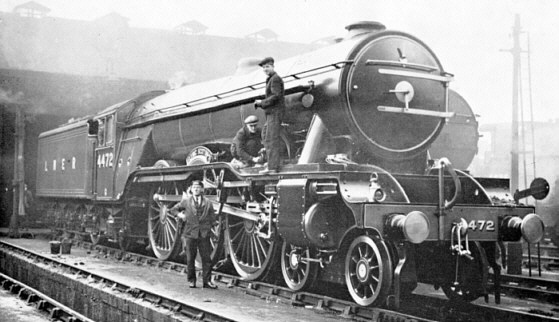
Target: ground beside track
x=224 y=301
x=249 y=306
x=14 y=309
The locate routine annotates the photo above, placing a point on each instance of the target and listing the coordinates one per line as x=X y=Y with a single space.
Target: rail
x=55 y=310
x=181 y=308
x=415 y=308
x=530 y=287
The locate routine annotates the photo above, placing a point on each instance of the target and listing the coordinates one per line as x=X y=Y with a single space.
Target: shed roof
x=32 y=5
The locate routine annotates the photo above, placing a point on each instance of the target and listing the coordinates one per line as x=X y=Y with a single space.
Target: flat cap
x=252 y=119
x=265 y=61
x=197 y=183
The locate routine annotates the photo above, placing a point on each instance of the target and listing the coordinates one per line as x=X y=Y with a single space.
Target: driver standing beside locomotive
x=199 y=216
x=274 y=107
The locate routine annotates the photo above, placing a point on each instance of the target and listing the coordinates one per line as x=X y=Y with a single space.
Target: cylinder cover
x=325 y=222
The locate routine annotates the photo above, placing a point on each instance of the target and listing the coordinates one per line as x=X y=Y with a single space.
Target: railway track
x=176 y=307
x=548 y=256
x=415 y=308
x=547 y=262
x=53 y=309
x=530 y=287
x=547 y=248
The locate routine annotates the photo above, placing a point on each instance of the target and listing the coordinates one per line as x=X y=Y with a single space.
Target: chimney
x=361 y=27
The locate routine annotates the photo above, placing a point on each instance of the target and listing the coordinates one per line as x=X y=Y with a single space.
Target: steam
x=7 y=97
x=180 y=79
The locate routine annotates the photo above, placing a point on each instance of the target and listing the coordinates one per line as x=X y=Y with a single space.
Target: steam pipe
x=312 y=146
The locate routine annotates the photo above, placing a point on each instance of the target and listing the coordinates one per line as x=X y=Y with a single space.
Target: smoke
x=7 y=97
x=180 y=79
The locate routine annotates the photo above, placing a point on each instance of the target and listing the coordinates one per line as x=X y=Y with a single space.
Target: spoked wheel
x=298 y=272
x=163 y=227
x=216 y=236
x=216 y=240
x=97 y=235
x=252 y=253
x=81 y=216
x=466 y=281
x=126 y=243
x=95 y=238
x=72 y=220
x=368 y=272
x=59 y=217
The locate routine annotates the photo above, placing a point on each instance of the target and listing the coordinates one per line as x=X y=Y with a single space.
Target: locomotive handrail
x=445 y=78
x=426 y=68
x=414 y=111
x=445 y=205
x=249 y=88
x=258 y=85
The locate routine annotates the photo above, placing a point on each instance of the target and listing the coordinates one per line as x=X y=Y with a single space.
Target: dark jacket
x=246 y=145
x=199 y=220
x=275 y=100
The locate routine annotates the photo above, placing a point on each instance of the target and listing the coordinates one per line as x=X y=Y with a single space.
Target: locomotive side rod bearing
x=226 y=208
x=234 y=211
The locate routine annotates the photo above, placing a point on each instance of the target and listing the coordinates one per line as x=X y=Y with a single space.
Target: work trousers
x=192 y=246
x=272 y=139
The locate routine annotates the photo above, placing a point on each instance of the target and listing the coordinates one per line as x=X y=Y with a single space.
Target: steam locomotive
x=359 y=199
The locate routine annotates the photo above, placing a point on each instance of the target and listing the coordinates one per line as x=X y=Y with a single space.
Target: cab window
x=106 y=131
x=101 y=132
x=110 y=130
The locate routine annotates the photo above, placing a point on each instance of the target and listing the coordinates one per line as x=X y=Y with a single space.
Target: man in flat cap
x=274 y=107
x=199 y=216
x=248 y=143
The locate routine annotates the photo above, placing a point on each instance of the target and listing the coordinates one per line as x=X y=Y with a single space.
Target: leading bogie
x=368 y=270
x=299 y=268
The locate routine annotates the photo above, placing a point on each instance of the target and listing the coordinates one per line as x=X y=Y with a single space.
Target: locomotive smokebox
x=394 y=96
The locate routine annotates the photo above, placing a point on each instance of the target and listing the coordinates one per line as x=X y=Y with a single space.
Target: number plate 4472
x=482 y=225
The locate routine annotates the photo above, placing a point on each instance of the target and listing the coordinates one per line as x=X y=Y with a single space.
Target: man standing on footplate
x=274 y=107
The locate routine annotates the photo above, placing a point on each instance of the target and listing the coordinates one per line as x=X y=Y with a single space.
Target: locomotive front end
x=395 y=98
x=448 y=231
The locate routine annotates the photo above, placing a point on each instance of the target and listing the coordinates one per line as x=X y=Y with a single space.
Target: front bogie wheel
x=299 y=272
x=368 y=270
